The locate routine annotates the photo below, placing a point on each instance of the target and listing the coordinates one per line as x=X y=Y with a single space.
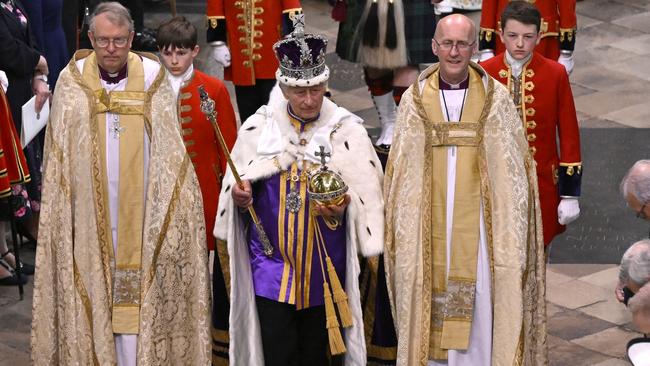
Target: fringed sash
x=454 y=287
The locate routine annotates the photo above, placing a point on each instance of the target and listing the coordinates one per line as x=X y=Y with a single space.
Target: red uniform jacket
x=13 y=166
x=201 y=140
x=558 y=26
x=545 y=103
x=250 y=27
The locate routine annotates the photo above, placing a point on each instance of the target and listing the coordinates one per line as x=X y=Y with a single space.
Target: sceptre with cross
x=207 y=107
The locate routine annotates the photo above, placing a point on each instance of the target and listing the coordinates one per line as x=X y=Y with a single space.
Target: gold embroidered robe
x=75 y=262
x=513 y=227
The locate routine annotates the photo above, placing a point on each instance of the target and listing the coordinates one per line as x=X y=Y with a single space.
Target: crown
x=301 y=57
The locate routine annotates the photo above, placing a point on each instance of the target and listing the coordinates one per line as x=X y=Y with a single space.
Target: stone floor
x=611 y=85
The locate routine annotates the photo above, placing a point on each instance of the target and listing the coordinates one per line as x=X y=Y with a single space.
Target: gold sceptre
x=207 y=107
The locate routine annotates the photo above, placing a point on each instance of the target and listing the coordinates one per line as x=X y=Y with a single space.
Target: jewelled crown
x=301 y=57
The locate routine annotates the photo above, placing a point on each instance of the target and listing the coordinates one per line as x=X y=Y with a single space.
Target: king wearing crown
x=310 y=171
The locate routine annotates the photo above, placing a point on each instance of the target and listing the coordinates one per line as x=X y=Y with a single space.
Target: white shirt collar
x=517 y=66
x=177 y=81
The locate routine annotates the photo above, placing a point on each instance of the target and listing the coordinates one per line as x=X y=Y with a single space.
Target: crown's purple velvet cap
x=291 y=49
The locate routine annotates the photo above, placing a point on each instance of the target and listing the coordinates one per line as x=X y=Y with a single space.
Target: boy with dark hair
x=542 y=94
x=177 y=43
x=557 y=26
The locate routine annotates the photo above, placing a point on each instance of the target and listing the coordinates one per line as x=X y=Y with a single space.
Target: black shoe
x=25 y=268
x=13 y=280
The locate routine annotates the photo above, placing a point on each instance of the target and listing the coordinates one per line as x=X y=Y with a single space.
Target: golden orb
x=326 y=187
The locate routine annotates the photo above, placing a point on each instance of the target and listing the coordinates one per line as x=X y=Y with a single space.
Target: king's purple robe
x=293 y=273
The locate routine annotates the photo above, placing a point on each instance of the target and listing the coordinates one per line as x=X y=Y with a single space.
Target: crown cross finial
x=323 y=155
x=299 y=25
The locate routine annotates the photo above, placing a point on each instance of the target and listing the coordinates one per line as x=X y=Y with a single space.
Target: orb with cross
x=325 y=186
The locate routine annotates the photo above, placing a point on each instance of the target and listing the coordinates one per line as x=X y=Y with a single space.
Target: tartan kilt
x=419 y=27
x=419 y=24
x=347 y=47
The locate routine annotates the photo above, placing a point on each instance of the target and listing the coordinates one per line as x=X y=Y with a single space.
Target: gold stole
x=454 y=290
x=129 y=105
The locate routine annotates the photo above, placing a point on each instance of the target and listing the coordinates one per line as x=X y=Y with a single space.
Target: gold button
x=530 y=73
x=531 y=124
x=503 y=73
x=529 y=86
x=530 y=112
x=532 y=150
x=532 y=137
x=529 y=99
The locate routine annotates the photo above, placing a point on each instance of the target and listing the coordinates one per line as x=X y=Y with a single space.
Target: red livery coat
x=201 y=140
x=545 y=103
x=558 y=26
x=252 y=27
x=13 y=166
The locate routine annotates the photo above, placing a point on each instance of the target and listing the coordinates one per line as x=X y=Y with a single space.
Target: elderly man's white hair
x=637 y=182
x=635 y=264
x=115 y=12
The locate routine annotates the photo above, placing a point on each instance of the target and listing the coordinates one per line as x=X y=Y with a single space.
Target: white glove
x=221 y=54
x=484 y=55
x=567 y=61
x=568 y=210
x=4 y=82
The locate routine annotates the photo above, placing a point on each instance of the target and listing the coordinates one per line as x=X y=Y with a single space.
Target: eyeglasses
x=119 y=42
x=461 y=46
x=641 y=213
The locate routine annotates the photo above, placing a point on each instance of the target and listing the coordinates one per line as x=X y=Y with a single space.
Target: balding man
x=464 y=248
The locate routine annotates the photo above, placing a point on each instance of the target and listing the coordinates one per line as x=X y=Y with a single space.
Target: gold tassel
x=337 y=346
x=340 y=298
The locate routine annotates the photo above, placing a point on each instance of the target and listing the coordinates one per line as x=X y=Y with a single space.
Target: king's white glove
x=4 y=82
x=221 y=54
x=568 y=210
x=484 y=55
x=566 y=59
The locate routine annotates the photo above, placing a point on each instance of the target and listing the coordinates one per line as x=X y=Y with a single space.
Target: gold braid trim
x=101 y=194
x=567 y=33
x=163 y=230
x=212 y=21
x=486 y=33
